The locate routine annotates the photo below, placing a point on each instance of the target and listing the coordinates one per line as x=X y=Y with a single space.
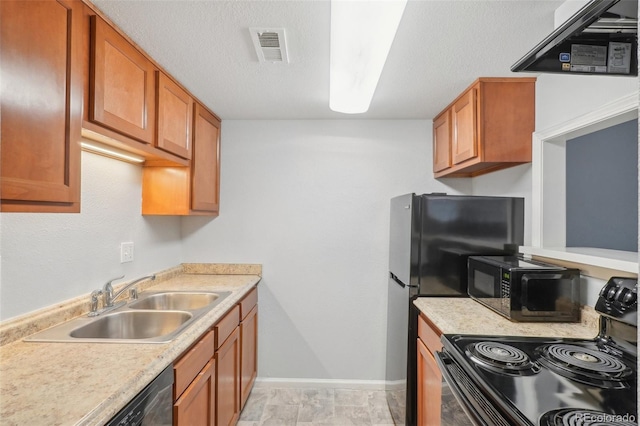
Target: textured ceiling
x=440 y=48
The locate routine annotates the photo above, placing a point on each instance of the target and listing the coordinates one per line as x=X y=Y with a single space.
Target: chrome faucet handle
x=108 y=292
x=94 y=303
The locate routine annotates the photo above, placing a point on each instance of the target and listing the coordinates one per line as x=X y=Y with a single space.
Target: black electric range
x=534 y=381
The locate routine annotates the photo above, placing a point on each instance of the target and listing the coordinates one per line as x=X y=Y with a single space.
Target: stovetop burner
x=579 y=417
x=501 y=358
x=585 y=365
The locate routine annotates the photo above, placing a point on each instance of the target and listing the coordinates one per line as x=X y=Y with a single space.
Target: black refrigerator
x=431 y=237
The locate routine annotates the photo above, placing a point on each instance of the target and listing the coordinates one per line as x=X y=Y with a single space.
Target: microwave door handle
x=443 y=360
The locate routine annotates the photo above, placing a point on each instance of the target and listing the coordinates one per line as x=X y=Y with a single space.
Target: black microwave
x=525 y=290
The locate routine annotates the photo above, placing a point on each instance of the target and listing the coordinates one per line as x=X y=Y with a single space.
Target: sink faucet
x=107 y=291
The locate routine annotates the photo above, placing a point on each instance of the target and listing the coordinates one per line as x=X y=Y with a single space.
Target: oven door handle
x=443 y=360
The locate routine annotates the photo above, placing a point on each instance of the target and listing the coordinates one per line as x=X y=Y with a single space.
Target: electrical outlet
x=126 y=252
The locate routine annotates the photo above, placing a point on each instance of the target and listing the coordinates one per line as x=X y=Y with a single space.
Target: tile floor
x=322 y=407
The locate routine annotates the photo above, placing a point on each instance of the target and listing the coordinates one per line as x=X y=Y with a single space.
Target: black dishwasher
x=152 y=406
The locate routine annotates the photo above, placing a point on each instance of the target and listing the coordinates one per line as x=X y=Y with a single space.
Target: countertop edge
x=439 y=311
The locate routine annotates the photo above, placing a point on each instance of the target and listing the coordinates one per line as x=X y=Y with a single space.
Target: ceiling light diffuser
x=362 y=32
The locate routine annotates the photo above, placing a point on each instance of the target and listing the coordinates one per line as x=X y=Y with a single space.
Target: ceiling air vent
x=270 y=44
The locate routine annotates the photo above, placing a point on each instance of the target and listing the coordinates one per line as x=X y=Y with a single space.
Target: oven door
x=462 y=401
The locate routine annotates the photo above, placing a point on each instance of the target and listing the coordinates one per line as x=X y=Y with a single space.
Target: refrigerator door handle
x=403 y=285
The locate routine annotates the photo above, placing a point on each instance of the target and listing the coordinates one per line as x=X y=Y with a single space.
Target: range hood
x=600 y=38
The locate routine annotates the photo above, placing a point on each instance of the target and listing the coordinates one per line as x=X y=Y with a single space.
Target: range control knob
x=629 y=298
x=611 y=293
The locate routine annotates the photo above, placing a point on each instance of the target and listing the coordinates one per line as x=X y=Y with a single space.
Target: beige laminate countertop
x=88 y=383
x=466 y=316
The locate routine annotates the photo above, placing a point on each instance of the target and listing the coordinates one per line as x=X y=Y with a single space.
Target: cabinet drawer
x=192 y=362
x=196 y=405
x=429 y=334
x=247 y=304
x=225 y=327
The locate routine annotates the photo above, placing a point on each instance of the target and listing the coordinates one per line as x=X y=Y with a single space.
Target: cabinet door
x=196 y=406
x=228 y=380
x=464 y=117
x=429 y=388
x=41 y=104
x=175 y=112
x=442 y=142
x=248 y=354
x=122 y=89
x=205 y=165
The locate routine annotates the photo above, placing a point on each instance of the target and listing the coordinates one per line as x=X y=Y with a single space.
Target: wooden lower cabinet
x=209 y=376
x=196 y=406
x=429 y=387
x=228 y=380
x=248 y=345
x=194 y=384
x=429 y=395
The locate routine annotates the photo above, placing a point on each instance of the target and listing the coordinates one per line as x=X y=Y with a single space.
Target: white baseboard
x=263 y=382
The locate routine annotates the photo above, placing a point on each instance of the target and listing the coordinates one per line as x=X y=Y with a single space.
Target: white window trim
x=548 y=209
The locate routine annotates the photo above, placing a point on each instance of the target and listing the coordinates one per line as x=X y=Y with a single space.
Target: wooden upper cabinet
x=41 y=105
x=491 y=126
x=193 y=190
x=175 y=113
x=465 y=140
x=442 y=141
x=205 y=165
x=122 y=88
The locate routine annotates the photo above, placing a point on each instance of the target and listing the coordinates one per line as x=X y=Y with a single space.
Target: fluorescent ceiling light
x=362 y=32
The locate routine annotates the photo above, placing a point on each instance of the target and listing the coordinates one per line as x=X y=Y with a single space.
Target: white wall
x=309 y=200
x=48 y=258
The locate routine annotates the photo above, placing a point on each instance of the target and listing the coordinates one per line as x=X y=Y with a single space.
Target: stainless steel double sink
x=155 y=317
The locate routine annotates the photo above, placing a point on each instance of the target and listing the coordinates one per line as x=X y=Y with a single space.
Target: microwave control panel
x=505 y=284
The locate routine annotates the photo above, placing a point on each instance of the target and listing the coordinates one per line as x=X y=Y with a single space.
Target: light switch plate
x=126 y=252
